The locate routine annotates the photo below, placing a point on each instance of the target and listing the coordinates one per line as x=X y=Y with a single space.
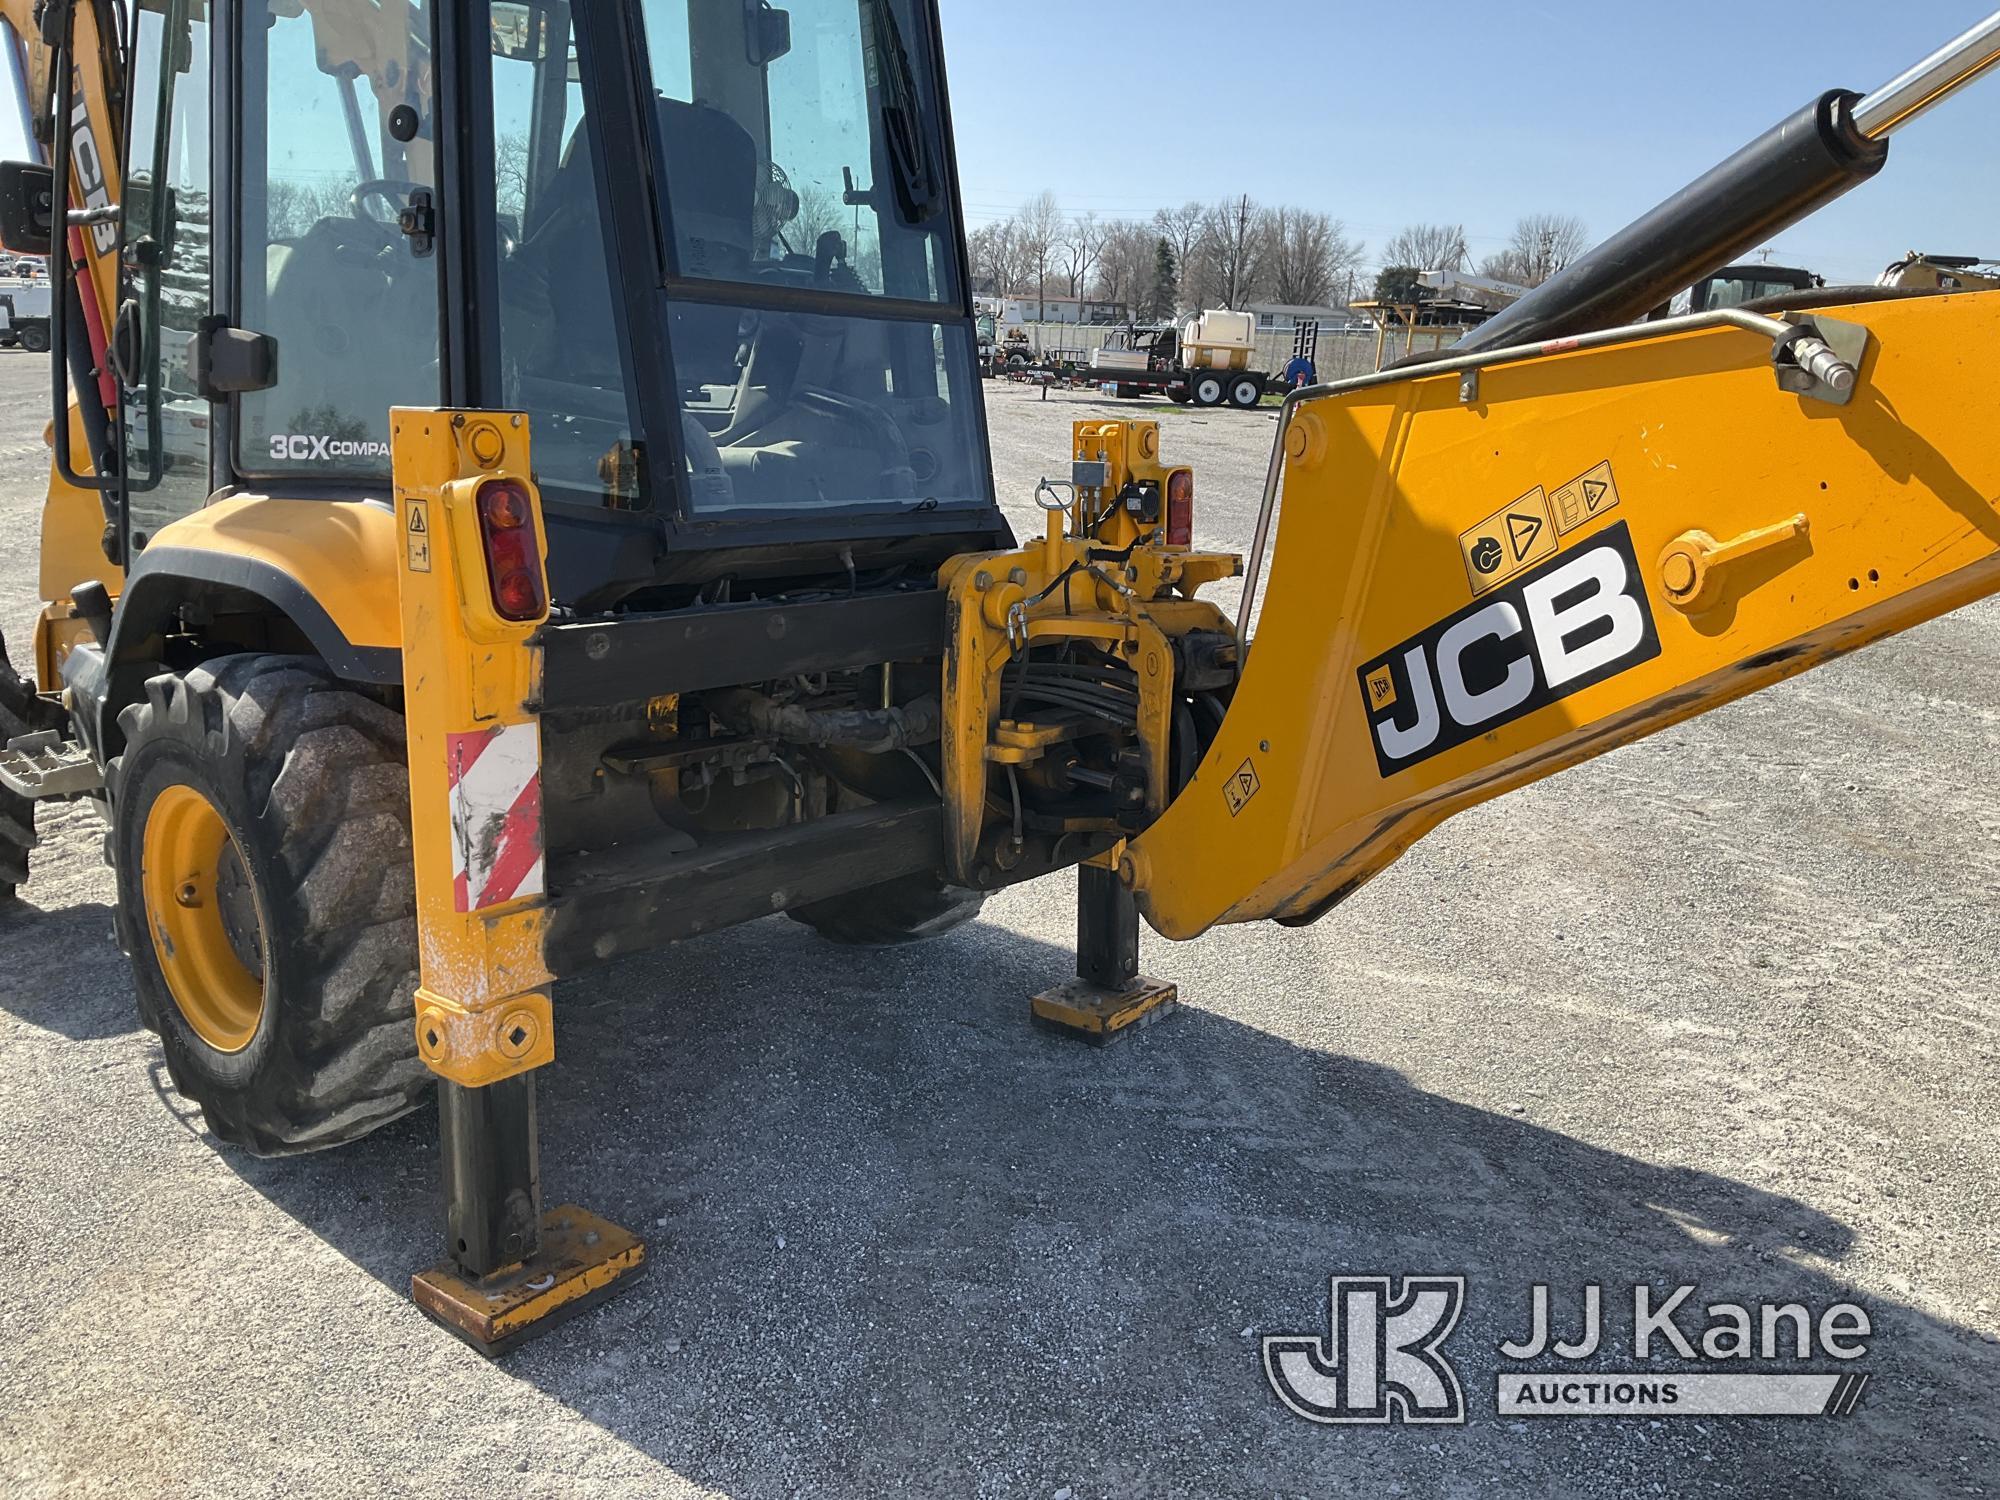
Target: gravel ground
x=1719 y=1009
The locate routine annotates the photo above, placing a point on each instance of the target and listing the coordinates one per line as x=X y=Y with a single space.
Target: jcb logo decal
x=1569 y=624
x=89 y=168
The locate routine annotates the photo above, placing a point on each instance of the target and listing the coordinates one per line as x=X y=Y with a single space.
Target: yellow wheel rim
x=206 y=929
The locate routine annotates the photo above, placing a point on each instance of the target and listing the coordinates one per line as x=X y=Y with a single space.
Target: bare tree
x=1309 y=255
x=818 y=212
x=293 y=205
x=1038 y=227
x=1505 y=266
x=1184 y=228
x=1239 y=241
x=1428 y=247
x=1125 y=263
x=1080 y=243
x=1543 y=244
x=510 y=174
x=995 y=251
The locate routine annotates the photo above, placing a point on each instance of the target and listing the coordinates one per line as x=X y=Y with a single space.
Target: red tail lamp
x=513 y=555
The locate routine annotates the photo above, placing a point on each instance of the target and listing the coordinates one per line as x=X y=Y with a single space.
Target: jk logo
x=1379 y=1360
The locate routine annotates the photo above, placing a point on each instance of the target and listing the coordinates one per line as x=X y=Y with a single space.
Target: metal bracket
x=419 y=222
x=1820 y=358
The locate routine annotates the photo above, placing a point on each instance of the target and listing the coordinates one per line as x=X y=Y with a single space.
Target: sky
x=1384 y=114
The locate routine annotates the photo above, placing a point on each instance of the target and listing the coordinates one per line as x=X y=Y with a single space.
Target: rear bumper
x=626 y=900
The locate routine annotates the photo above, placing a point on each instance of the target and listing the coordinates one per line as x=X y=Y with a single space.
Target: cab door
x=168 y=270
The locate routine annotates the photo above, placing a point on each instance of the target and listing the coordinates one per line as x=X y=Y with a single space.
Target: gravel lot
x=1719 y=1008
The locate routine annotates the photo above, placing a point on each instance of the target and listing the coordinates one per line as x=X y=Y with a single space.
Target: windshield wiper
x=919 y=194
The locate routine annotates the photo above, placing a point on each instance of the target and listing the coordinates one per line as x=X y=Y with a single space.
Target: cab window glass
x=169 y=203
x=329 y=164
x=560 y=356
x=802 y=145
x=797 y=411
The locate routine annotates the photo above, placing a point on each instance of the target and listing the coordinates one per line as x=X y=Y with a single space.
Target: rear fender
x=323 y=572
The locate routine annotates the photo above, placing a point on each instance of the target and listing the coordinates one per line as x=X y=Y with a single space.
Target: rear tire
x=17 y=814
x=913 y=909
x=1207 y=388
x=35 y=339
x=21 y=712
x=307 y=1038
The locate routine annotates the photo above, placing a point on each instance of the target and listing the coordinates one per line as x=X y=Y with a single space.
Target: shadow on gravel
x=75 y=942
x=903 y=1242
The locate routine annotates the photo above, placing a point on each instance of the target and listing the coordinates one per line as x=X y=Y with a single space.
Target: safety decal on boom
x=1514 y=537
x=496 y=815
x=1561 y=627
x=1585 y=498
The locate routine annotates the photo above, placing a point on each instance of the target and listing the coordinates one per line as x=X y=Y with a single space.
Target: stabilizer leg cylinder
x=1109 y=998
x=492 y=1173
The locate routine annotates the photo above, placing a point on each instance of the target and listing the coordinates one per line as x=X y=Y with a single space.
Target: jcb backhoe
x=521 y=496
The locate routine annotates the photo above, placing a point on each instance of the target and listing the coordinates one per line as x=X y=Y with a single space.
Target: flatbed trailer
x=1242 y=389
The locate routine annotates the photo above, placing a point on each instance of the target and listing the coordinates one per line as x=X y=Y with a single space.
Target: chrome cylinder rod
x=1911 y=92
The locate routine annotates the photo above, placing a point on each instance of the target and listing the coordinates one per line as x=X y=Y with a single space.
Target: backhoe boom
x=1485 y=575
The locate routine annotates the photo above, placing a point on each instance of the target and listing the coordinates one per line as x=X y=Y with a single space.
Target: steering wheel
x=393 y=190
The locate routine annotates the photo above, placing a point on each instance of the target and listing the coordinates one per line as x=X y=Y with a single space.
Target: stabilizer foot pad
x=1097 y=1015
x=583 y=1261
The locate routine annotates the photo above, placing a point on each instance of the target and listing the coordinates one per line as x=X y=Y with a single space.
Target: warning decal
x=1240 y=788
x=496 y=815
x=419 y=537
x=1512 y=538
x=1585 y=498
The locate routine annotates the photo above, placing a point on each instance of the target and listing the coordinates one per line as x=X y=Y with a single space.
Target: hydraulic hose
x=874 y=731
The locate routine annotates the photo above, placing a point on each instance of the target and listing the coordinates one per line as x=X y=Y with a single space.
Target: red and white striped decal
x=496 y=815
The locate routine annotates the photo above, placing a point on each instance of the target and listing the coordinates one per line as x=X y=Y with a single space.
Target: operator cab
x=1740 y=285
x=711 y=247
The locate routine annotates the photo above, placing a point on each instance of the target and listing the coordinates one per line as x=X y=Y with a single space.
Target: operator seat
x=712 y=162
x=792 y=437
x=343 y=311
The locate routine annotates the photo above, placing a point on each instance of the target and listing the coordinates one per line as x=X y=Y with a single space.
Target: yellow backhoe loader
x=521 y=496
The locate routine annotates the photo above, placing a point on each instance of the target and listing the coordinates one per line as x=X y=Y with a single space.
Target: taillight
x=1180 y=508
x=513 y=556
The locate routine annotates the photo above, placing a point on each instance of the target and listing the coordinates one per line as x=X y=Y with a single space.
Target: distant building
x=1063 y=310
x=1283 y=317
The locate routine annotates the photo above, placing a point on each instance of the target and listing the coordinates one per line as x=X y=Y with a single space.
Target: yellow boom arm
x=1484 y=576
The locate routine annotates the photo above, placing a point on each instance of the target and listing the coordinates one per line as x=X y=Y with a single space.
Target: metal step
x=43 y=766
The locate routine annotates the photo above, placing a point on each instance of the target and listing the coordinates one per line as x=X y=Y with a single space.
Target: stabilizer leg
x=1109 y=998
x=513 y=1271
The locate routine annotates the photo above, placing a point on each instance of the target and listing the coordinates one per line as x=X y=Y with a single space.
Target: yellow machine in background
x=466 y=577
x=1943 y=273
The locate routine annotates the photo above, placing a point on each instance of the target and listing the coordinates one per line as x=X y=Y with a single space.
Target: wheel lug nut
x=188 y=896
